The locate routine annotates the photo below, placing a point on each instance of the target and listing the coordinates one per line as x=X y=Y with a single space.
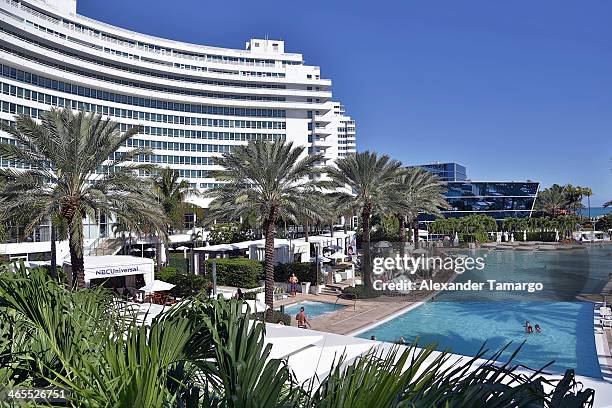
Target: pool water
x=462 y=321
x=312 y=309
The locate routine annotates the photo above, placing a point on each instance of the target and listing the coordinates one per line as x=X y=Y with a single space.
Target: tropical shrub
x=361 y=293
x=277 y=317
x=166 y=273
x=179 y=262
x=208 y=353
x=228 y=233
x=238 y=272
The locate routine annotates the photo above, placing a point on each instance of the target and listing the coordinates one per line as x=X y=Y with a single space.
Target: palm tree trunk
x=415 y=226
x=53 y=252
x=77 y=264
x=158 y=252
x=269 y=226
x=402 y=227
x=366 y=267
x=306 y=228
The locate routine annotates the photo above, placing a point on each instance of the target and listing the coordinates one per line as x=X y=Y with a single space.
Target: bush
x=277 y=316
x=228 y=233
x=186 y=284
x=361 y=293
x=304 y=271
x=166 y=273
x=189 y=285
x=179 y=263
x=238 y=272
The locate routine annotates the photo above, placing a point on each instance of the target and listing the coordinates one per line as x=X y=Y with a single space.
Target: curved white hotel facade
x=194 y=102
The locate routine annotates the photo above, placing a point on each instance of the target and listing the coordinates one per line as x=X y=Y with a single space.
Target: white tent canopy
x=157 y=286
x=109 y=266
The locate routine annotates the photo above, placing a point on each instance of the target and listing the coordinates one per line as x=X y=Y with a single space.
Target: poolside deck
x=357 y=315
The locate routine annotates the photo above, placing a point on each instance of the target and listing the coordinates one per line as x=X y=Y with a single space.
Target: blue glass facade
x=497 y=199
x=446 y=171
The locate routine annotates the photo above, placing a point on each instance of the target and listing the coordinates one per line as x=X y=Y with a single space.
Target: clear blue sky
x=513 y=90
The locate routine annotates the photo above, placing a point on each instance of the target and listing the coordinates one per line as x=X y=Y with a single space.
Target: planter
x=316 y=289
x=305 y=287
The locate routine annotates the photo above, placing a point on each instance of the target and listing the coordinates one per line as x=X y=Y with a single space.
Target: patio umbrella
x=157 y=286
x=150 y=250
x=184 y=249
x=135 y=250
x=337 y=255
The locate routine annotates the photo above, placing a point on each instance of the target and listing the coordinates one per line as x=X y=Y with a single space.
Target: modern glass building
x=498 y=199
x=446 y=171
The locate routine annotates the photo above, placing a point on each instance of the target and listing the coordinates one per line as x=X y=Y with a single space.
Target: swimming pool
x=312 y=309
x=463 y=322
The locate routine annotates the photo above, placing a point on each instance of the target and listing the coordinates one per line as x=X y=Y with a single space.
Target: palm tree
x=420 y=191
x=172 y=193
x=365 y=182
x=62 y=158
x=270 y=180
x=210 y=353
x=552 y=200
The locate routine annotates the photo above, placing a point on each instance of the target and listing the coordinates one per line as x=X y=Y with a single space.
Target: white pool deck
x=315 y=352
x=311 y=353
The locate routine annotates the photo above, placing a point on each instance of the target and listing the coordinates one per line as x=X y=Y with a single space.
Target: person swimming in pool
x=528 y=328
x=538 y=329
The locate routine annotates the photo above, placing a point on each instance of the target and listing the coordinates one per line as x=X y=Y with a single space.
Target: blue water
x=312 y=309
x=462 y=321
x=595 y=211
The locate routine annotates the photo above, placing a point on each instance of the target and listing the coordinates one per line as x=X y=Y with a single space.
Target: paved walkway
x=356 y=315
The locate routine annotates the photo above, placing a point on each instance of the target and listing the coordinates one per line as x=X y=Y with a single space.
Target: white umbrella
x=157 y=286
x=135 y=250
x=184 y=249
x=337 y=255
x=150 y=250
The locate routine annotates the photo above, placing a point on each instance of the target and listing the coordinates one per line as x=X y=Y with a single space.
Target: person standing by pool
x=302 y=319
x=293 y=281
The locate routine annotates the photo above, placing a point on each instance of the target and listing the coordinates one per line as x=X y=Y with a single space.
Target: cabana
x=115 y=271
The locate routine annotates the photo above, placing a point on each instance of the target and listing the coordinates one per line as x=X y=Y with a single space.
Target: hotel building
x=194 y=102
x=497 y=199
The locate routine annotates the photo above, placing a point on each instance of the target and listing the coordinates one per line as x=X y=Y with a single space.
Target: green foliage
x=277 y=317
x=471 y=228
x=238 y=272
x=73 y=146
x=166 y=273
x=172 y=192
x=558 y=199
x=179 y=262
x=304 y=271
x=208 y=353
x=390 y=227
x=228 y=233
x=604 y=223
